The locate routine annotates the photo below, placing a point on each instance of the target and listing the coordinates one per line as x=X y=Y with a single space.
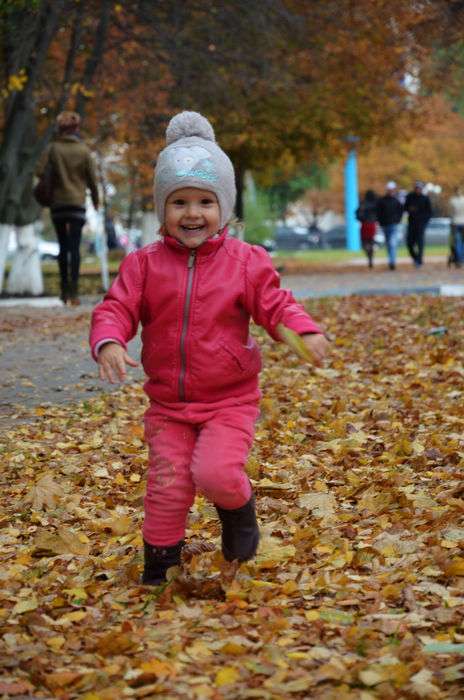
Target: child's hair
x=68 y=122
x=192 y=158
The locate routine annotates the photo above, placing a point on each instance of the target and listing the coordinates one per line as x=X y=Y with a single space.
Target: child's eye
x=206 y=201
x=179 y=202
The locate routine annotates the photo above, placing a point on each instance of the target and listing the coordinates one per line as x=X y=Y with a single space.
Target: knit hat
x=192 y=158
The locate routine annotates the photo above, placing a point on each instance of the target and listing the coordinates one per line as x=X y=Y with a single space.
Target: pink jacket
x=195 y=308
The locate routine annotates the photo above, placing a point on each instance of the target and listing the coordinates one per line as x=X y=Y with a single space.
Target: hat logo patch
x=194 y=162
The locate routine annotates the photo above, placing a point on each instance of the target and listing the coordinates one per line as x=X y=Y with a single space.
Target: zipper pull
x=191 y=259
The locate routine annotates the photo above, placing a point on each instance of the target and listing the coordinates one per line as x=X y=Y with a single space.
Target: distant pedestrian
x=389 y=213
x=456 y=205
x=419 y=210
x=366 y=213
x=72 y=174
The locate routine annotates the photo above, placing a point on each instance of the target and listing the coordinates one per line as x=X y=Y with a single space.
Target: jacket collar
x=211 y=245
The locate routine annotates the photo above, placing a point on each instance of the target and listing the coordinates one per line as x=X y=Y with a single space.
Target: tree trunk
x=20 y=148
x=5 y=232
x=26 y=273
x=150 y=227
x=95 y=58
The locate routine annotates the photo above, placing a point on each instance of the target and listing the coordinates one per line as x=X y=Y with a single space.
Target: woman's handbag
x=43 y=191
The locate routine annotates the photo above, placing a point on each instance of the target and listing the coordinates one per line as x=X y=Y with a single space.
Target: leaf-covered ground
x=358 y=589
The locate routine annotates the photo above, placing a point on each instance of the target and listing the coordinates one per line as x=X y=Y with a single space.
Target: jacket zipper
x=188 y=296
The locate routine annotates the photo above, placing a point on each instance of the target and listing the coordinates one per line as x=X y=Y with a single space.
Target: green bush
x=259 y=225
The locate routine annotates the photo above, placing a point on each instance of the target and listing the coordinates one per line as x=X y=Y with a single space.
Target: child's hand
x=318 y=346
x=113 y=359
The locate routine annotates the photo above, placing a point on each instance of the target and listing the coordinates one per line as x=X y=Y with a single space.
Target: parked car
x=438 y=231
x=269 y=244
x=296 y=238
x=334 y=237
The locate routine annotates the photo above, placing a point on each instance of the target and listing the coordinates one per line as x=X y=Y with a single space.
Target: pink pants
x=197 y=448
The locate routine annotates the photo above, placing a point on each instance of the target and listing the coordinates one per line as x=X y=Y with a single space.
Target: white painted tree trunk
x=150 y=226
x=101 y=250
x=5 y=233
x=26 y=273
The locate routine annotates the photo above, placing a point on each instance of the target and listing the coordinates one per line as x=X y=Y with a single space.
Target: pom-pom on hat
x=192 y=158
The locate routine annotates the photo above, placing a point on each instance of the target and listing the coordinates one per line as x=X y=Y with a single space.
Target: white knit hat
x=192 y=158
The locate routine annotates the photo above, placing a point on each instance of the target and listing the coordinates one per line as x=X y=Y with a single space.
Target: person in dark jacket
x=366 y=213
x=419 y=210
x=389 y=213
x=73 y=173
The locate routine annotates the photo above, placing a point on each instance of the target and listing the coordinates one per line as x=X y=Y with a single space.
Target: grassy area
x=341 y=255
x=91 y=264
x=90 y=280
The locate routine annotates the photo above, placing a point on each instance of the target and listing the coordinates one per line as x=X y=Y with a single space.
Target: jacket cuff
x=96 y=346
x=304 y=326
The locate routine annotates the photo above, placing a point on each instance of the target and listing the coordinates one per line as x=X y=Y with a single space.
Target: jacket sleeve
x=92 y=180
x=118 y=315
x=270 y=305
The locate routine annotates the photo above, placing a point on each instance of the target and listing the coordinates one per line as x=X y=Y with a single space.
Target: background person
x=419 y=210
x=389 y=213
x=73 y=173
x=366 y=213
x=456 y=206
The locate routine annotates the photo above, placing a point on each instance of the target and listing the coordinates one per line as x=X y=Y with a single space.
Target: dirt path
x=44 y=355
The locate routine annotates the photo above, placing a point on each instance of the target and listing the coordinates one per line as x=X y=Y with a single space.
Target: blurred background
x=288 y=85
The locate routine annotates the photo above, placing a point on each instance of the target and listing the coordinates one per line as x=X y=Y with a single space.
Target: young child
x=194 y=293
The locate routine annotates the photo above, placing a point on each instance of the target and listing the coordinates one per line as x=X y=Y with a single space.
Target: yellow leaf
x=157 y=667
x=75 y=616
x=226 y=675
x=455 y=568
x=76 y=593
x=233 y=649
x=295 y=342
x=312 y=615
x=23 y=606
x=55 y=643
x=252 y=468
x=289 y=587
x=271 y=549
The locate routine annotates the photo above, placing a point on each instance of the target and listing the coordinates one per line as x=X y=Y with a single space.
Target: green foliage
x=258 y=216
x=10 y=6
x=283 y=192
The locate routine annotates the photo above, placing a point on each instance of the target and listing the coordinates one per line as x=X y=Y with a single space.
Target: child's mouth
x=192 y=229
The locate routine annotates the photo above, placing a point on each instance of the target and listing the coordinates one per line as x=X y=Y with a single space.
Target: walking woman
x=367 y=215
x=73 y=173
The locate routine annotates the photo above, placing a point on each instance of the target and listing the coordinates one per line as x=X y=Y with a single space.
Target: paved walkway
x=356 y=278
x=44 y=354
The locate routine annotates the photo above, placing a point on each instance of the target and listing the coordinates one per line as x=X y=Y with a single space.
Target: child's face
x=192 y=215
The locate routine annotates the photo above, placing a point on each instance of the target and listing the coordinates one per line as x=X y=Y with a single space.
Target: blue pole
x=351 y=202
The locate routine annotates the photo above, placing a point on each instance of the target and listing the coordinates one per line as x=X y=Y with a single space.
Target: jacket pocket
x=244 y=359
